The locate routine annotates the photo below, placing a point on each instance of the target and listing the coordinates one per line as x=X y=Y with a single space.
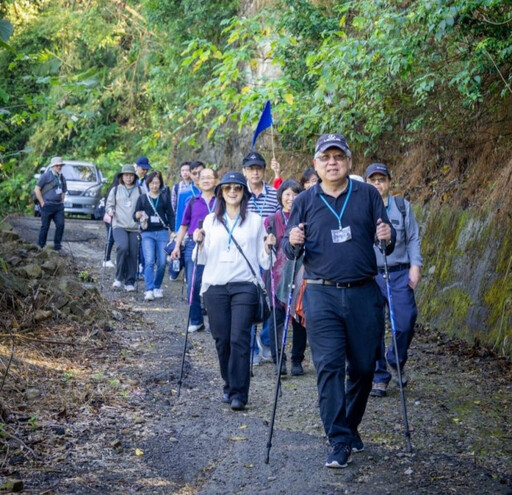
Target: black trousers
x=344 y=326
x=299 y=339
x=51 y=212
x=231 y=310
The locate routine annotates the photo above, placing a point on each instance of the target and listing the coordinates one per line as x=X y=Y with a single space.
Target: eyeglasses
x=232 y=187
x=195 y=172
x=378 y=180
x=326 y=158
x=206 y=177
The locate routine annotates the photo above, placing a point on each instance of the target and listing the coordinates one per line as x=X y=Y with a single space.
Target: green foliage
x=108 y=81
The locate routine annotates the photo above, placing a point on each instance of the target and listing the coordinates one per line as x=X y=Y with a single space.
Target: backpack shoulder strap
x=400 y=204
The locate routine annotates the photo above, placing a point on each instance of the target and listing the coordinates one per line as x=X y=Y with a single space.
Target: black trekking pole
x=253 y=348
x=281 y=354
x=193 y=281
x=393 y=333
x=137 y=272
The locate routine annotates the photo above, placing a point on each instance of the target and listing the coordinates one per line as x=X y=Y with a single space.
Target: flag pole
x=272 y=139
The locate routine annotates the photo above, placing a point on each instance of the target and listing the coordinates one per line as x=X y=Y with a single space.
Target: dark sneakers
x=297 y=369
x=357 y=443
x=378 y=389
x=237 y=405
x=340 y=457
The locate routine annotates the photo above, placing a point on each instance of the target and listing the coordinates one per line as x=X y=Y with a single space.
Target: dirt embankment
x=90 y=403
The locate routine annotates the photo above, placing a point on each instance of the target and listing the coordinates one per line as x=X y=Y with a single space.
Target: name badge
x=341 y=235
x=154 y=219
x=58 y=190
x=228 y=256
x=128 y=203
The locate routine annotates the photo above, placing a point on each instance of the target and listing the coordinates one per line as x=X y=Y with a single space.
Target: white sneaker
x=117 y=284
x=149 y=296
x=196 y=328
x=158 y=293
x=108 y=264
x=129 y=288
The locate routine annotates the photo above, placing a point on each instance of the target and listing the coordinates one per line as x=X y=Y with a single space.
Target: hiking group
x=333 y=236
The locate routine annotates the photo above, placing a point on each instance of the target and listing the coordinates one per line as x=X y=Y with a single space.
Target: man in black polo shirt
x=342 y=302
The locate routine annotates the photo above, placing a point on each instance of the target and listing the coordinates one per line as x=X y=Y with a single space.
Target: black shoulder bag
x=263 y=310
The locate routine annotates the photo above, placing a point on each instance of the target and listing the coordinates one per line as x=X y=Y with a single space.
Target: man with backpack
x=50 y=191
x=404 y=267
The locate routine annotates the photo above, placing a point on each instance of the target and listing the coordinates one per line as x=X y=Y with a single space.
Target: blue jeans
x=153 y=244
x=405 y=312
x=51 y=212
x=196 y=315
x=343 y=325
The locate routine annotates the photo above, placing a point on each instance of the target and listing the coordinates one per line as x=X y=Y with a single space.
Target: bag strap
x=241 y=252
x=400 y=204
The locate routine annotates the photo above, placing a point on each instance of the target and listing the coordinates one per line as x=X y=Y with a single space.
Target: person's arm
x=294 y=235
x=413 y=247
x=276 y=167
x=39 y=195
x=110 y=204
x=182 y=232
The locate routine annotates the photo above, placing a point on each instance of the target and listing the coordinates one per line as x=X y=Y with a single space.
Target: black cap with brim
x=327 y=141
x=253 y=158
x=377 y=168
x=232 y=178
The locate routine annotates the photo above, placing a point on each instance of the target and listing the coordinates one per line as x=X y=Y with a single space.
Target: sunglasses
x=232 y=187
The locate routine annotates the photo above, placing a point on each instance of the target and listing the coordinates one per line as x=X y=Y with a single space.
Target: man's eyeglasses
x=377 y=180
x=232 y=187
x=327 y=158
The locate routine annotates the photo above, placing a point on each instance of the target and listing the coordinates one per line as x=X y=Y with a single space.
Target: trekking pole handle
x=298 y=247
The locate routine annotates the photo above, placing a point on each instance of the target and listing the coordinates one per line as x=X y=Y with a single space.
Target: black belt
x=396 y=268
x=339 y=285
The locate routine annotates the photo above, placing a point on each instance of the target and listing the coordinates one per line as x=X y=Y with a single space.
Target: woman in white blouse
x=228 y=285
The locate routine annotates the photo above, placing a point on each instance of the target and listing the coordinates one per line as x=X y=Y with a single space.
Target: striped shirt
x=265 y=204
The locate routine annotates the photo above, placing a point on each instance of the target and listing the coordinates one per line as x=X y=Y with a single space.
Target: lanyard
x=56 y=178
x=255 y=203
x=213 y=205
x=339 y=217
x=285 y=218
x=155 y=203
x=195 y=191
x=128 y=192
x=230 y=231
x=388 y=206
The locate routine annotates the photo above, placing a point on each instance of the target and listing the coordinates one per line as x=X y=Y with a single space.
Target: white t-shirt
x=222 y=259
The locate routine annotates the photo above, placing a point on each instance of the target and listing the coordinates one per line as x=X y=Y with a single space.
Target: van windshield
x=80 y=173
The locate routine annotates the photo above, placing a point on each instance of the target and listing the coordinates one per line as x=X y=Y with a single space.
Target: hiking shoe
x=394 y=374
x=117 y=284
x=158 y=293
x=225 y=398
x=255 y=359
x=108 y=264
x=196 y=328
x=149 y=296
x=129 y=288
x=340 y=457
x=357 y=443
x=379 y=389
x=265 y=353
x=297 y=369
x=284 y=371
x=237 y=405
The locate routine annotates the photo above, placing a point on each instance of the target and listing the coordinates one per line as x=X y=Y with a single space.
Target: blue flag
x=264 y=123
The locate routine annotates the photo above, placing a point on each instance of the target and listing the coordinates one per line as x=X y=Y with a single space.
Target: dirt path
x=132 y=434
